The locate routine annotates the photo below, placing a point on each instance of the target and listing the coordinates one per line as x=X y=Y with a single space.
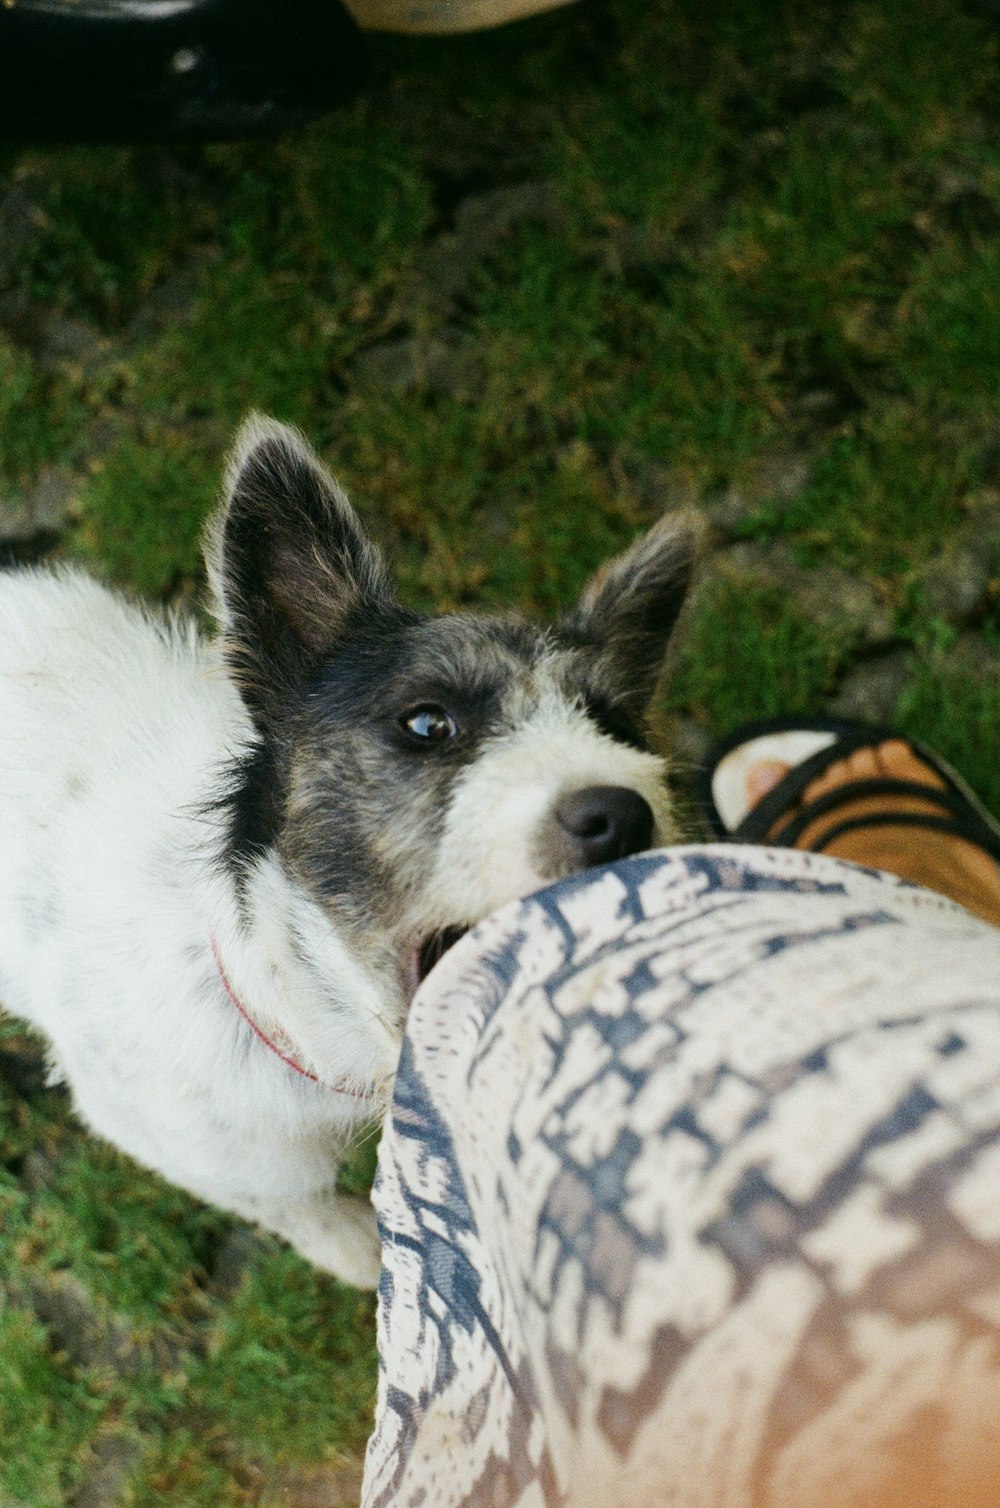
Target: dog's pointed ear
x=288 y=562
x=629 y=608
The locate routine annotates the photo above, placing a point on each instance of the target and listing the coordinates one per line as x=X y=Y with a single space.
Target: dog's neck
x=290 y=977
x=279 y=1044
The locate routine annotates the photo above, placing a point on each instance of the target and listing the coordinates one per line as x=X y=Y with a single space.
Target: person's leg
x=688 y=1195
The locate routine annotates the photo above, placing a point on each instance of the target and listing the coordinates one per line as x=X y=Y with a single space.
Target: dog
x=227 y=863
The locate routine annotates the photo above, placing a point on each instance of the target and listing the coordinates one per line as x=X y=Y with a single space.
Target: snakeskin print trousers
x=690 y=1195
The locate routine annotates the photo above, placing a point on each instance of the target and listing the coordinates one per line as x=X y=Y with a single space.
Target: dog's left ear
x=629 y=608
x=288 y=562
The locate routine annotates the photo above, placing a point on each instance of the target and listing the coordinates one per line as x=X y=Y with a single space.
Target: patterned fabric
x=690 y=1194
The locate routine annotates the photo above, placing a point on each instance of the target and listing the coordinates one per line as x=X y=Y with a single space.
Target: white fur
x=488 y=852
x=115 y=728
x=112 y=726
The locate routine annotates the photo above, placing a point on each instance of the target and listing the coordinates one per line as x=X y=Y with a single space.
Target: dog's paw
x=339 y=1235
x=355 y=1252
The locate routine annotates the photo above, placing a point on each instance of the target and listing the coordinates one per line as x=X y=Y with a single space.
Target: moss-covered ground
x=527 y=291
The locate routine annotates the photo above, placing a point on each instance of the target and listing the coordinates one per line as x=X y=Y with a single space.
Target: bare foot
x=952 y=866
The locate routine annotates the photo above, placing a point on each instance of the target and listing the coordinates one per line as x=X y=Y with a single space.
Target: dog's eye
x=430 y=724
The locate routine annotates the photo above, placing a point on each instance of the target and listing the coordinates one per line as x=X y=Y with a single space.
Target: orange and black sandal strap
x=761 y=818
x=863 y=790
x=769 y=822
x=893 y=819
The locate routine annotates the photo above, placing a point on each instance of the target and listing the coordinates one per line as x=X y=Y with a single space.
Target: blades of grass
x=954 y=707
x=749 y=653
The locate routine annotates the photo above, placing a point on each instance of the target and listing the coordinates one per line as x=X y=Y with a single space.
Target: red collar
x=286 y=1057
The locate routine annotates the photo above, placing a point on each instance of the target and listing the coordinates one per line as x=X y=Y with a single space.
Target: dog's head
x=411 y=773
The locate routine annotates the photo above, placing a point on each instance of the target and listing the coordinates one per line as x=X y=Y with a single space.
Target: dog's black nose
x=605 y=822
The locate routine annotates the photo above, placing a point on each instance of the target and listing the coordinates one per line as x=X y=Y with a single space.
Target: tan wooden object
x=443 y=16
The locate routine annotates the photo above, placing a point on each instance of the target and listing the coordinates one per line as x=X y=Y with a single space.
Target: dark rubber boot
x=134 y=70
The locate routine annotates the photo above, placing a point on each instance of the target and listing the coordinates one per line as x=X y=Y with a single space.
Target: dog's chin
x=425 y=954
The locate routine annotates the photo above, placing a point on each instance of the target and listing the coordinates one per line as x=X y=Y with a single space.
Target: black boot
x=129 y=70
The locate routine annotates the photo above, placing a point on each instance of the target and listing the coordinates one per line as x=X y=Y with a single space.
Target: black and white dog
x=225 y=866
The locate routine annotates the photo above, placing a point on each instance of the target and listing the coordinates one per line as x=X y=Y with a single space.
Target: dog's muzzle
x=593 y=825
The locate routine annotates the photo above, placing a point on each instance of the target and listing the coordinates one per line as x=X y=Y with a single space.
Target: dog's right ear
x=629 y=608
x=288 y=562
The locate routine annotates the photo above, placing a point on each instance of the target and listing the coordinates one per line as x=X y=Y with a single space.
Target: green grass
x=749 y=653
x=882 y=498
x=41 y=417
x=949 y=331
x=143 y=508
x=764 y=231
x=284 y=1364
x=955 y=708
x=45 y=1415
x=284 y=1367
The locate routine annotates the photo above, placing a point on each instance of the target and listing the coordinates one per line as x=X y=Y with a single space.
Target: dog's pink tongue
x=411 y=973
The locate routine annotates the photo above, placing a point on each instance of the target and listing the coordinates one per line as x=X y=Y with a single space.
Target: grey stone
x=64 y=339
x=41 y=511
x=113 y=1459
x=829 y=596
x=414 y=365
x=482 y=218
x=957 y=582
x=817 y=401
x=49 y=336
x=774 y=484
x=975 y=657
x=656 y=488
x=172 y=302
x=482 y=221
x=633 y=247
x=962 y=578
x=38 y=1169
x=983 y=507
x=832 y=598
x=234 y=1257
x=83 y=1326
x=872 y=689
x=90 y=1332
x=20 y=226
x=48 y=500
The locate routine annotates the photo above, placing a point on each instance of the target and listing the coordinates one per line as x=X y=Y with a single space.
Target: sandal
x=810 y=747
